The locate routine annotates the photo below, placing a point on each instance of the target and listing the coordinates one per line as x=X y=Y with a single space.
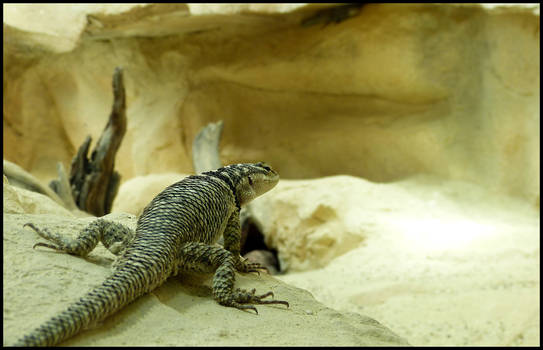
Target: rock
x=39 y=283
x=18 y=177
x=314 y=221
x=393 y=91
x=22 y=201
x=136 y=193
x=440 y=262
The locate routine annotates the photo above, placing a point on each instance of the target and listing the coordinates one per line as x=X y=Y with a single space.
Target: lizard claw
x=31 y=225
x=249 y=297
x=41 y=244
x=247 y=308
x=283 y=302
x=260 y=301
x=253 y=267
x=47 y=235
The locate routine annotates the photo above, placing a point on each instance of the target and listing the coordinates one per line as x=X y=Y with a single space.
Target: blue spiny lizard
x=176 y=232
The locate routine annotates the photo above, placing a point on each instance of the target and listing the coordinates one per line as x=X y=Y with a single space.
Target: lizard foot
x=245 y=266
x=47 y=235
x=242 y=297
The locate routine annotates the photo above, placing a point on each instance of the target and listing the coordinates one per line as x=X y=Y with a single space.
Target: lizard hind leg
x=113 y=236
x=201 y=257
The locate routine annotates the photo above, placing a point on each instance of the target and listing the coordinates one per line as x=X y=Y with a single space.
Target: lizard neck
x=229 y=179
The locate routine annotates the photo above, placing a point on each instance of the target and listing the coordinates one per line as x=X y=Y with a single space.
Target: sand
x=456 y=266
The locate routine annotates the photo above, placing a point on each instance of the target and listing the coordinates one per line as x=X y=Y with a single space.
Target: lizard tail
x=121 y=288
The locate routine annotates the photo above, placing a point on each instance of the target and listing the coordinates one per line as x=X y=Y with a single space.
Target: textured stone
x=440 y=262
x=397 y=90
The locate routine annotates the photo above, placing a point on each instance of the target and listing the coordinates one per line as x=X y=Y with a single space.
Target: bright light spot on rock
x=431 y=234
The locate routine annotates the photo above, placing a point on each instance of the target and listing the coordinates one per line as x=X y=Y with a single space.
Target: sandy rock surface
x=439 y=262
x=39 y=283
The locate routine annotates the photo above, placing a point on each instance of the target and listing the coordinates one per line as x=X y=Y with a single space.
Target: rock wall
x=390 y=91
x=421 y=100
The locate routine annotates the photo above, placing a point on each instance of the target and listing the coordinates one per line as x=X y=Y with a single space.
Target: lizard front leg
x=204 y=258
x=232 y=239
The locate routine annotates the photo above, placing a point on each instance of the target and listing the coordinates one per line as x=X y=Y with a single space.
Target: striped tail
x=119 y=289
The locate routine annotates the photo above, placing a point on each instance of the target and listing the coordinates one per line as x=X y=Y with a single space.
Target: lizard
x=177 y=231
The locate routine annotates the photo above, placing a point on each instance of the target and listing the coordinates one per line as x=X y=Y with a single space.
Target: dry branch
x=205 y=148
x=61 y=186
x=94 y=182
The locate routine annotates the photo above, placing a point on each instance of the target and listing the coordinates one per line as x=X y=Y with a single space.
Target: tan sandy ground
x=447 y=264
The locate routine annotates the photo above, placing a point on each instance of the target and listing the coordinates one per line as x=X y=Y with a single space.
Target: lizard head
x=255 y=180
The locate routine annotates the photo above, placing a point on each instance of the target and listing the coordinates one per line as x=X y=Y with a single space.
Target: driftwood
x=19 y=177
x=94 y=182
x=61 y=186
x=205 y=148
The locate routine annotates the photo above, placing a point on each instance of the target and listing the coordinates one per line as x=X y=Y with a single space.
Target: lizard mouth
x=264 y=183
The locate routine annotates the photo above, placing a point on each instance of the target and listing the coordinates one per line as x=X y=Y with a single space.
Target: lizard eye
x=250 y=181
x=264 y=166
